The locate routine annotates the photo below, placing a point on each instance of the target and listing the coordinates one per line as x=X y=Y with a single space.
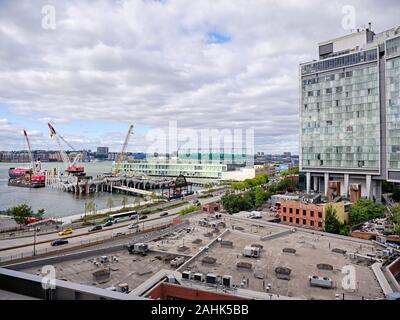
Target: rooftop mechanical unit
x=227 y=281
x=252 y=252
x=186 y=275
x=323 y=282
x=198 y=277
x=138 y=248
x=211 y=278
x=177 y=261
x=171 y=278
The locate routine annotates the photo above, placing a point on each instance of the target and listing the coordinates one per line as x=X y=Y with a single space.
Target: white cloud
x=148 y=62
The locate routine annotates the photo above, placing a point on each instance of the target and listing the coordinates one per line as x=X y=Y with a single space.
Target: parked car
x=65 y=232
x=163 y=214
x=116 y=220
x=133 y=226
x=107 y=224
x=134 y=217
x=143 y=217
x=59 y=242
x=95 y=228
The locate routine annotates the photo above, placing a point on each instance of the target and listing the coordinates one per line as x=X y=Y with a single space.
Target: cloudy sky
x=207 y=64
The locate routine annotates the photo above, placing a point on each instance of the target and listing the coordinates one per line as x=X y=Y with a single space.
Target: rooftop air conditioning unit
x=186 y=275
x=323 y=282
x=227 y=281
x=211 y=278
x=198 y=277
x=171 y=279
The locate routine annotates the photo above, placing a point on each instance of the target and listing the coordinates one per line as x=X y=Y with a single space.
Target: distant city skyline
x=222 y=66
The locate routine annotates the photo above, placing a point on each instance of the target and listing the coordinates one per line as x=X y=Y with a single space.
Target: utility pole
x=34 y=241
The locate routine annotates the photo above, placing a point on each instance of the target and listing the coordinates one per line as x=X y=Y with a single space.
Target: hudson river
x=56 y=203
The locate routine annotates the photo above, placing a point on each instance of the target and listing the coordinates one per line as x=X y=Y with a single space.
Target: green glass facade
x=228 y=158
x=393 y=102
x=340 y=116
x=165 y=168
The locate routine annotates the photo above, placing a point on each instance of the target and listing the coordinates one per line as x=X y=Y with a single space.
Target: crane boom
x=63 y=154
x=30 y=149
x=121 y=155
x=71 y=166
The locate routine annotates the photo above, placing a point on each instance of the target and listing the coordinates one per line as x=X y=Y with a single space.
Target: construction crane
x=36 y=167
x=121 y=156
x=72 y=166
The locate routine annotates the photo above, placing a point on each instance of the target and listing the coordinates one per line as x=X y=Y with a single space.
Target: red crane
x=73 y=166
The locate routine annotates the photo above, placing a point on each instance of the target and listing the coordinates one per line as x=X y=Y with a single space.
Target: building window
x=290 y=219
x=304 y=212
x=311 y=213
x=319 y=214
x=304 y=221
x=297 y=211
x=297 y=220
x=284 y=209
x=284 y=219
x=319 y=224
x=290 y=210
x=312 y=223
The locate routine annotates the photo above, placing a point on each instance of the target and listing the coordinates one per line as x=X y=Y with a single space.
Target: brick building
x=308 y=215
x=211 y=207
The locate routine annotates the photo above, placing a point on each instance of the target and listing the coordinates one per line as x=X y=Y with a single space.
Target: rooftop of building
x=359 y=40
x=311 y=250
x=195 y=242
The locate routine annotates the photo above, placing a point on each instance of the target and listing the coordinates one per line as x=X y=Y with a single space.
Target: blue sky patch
x=218 y=38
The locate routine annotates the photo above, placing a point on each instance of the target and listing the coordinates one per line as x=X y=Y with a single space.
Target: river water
x=56 y=203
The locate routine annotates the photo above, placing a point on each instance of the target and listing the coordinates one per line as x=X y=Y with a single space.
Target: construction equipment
x=121 y=156
x=73 y=166
x=27 y=177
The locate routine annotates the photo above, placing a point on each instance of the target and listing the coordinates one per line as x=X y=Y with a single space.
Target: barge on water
x=28 y=181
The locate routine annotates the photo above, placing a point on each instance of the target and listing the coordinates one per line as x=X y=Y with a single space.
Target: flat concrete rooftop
x=310 y=251
x=130 y=269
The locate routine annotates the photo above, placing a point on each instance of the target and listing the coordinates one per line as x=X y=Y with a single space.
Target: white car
x=133 y=226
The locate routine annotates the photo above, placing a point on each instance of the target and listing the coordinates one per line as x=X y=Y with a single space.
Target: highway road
x=24 y=246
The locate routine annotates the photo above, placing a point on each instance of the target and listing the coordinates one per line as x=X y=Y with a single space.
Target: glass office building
x=350 y=113
x=393 y=104
x=167 y=168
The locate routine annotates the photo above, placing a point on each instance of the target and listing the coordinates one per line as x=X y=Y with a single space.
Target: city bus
x=123 y=215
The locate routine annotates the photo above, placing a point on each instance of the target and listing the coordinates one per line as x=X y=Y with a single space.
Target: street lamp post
x=34 y=241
